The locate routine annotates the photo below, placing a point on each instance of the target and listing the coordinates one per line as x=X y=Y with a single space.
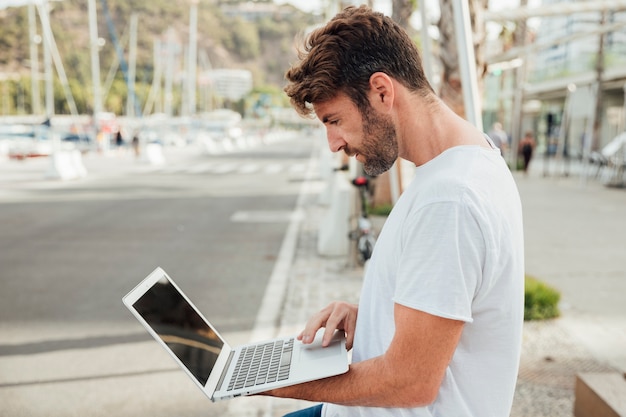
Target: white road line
x=297 y=168
x=273 y=168
x=249 y=169
x=199 y=168
x=224 y=168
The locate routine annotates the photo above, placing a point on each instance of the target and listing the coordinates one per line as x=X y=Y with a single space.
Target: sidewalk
x=575 y=241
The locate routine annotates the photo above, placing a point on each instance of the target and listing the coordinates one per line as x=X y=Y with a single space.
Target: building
x=561 y=72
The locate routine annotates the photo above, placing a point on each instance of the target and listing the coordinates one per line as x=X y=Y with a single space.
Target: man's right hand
x=338 y=315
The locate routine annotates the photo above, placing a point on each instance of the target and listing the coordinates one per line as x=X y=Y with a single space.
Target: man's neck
x=427 y=129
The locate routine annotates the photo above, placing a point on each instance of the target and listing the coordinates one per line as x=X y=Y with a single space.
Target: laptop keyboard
x=264 y=363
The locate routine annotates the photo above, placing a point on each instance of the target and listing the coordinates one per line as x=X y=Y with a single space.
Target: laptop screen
x=181 y=328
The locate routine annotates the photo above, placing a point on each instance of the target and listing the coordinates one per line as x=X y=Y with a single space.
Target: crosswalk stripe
x=297 y=168
x=224 y=168
x=249 y=169
x=199 y=168
x=273 y=168
x=234 y=167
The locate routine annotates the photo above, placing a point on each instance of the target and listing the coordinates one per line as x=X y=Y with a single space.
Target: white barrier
x=154 y=154
x=333 y=237
x=66 y=165
x=327 y=163
x=4 y=149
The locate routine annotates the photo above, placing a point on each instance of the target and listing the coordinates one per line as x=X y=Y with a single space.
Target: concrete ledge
x=600 y=394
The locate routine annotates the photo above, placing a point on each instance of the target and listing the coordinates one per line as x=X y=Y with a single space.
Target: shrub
x=380 y=210
x=540 y=300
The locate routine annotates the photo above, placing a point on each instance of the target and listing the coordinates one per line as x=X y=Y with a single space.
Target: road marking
x=273 y=168
x=265 y=216
x=224 y=168
x=248 y=169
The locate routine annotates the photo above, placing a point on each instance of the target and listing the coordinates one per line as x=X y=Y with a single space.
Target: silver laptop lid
x=174 y=321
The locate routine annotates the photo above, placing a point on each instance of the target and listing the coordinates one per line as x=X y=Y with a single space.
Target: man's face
x=370 y=137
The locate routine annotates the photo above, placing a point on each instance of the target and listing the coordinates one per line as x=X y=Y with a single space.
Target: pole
x=132 y=65
x=516 y=122
x=624 y=125
x=518 y=99
x=95 y=62
x=597 y=120
x=48 y=37
x=34 y=61
x=193 y=57
x=47 y=63
x=169 y=73
x=467 y=62
x=426 y=52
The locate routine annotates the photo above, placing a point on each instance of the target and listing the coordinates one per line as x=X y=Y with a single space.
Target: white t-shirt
x=452 y=247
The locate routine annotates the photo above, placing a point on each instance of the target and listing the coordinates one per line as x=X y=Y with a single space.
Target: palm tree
x=451 y=91
x=402 y=11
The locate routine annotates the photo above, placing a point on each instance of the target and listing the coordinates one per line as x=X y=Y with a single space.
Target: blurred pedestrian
x=119 y=140
x=499 y=137
x=135 y=144
x=526 y=148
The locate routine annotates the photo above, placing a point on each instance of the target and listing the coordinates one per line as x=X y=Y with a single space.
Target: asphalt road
x=69 y=251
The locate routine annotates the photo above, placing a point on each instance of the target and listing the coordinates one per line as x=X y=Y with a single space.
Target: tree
x=402 y=11
x=451 y=91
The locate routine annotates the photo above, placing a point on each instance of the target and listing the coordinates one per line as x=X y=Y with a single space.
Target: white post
x=624 y=125
x=132 y=65
x=467 y=62
x=95 y=59
x=47 y=63
x=34 y=60
x=192 y=56
x=426 y=53
x=169 y=73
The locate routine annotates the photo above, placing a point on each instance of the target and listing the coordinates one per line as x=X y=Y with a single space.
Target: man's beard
x=380 y=143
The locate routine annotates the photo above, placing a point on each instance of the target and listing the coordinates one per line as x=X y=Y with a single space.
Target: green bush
x=540 y=300
x=380 y=210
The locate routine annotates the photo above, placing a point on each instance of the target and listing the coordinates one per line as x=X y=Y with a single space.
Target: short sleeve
x=441 y=261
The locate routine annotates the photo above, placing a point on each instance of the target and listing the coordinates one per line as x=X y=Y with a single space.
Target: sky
x=14 y=3
x=385 y=5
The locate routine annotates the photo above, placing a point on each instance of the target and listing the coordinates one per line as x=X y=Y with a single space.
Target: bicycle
x=363 y=234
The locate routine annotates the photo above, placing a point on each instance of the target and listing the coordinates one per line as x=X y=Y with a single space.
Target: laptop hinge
x=223 y=376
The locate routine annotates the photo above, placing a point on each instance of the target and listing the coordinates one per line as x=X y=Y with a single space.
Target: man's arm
x=408 y=374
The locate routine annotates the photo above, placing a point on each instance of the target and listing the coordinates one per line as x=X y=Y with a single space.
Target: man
x=438 y=328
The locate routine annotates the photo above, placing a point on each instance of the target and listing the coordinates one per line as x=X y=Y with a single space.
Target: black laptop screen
x=181 y=328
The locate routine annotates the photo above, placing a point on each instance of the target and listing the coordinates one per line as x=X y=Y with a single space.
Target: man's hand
x=338 y=315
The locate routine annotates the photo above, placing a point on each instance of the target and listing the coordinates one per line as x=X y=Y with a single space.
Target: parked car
x=80 y=141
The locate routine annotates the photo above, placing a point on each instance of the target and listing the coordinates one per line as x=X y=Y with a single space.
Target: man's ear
x=381 y=90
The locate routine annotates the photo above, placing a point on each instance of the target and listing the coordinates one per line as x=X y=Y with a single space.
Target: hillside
x=230 y=35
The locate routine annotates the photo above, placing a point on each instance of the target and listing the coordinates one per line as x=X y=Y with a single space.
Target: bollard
x=77 y=162
x=333 y=230
x=154 y=154
x=66 y=165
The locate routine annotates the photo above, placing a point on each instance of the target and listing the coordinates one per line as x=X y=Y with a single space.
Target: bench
x=600 y=394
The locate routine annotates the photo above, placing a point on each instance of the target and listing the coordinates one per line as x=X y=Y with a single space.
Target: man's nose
x=335 y=142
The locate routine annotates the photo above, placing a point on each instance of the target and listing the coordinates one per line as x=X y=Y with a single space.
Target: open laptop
x=222 y=371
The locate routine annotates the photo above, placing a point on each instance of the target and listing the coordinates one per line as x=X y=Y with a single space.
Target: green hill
x=231 y=35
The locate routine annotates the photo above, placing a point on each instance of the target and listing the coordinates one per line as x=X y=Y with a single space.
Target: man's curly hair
x=342 y=56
